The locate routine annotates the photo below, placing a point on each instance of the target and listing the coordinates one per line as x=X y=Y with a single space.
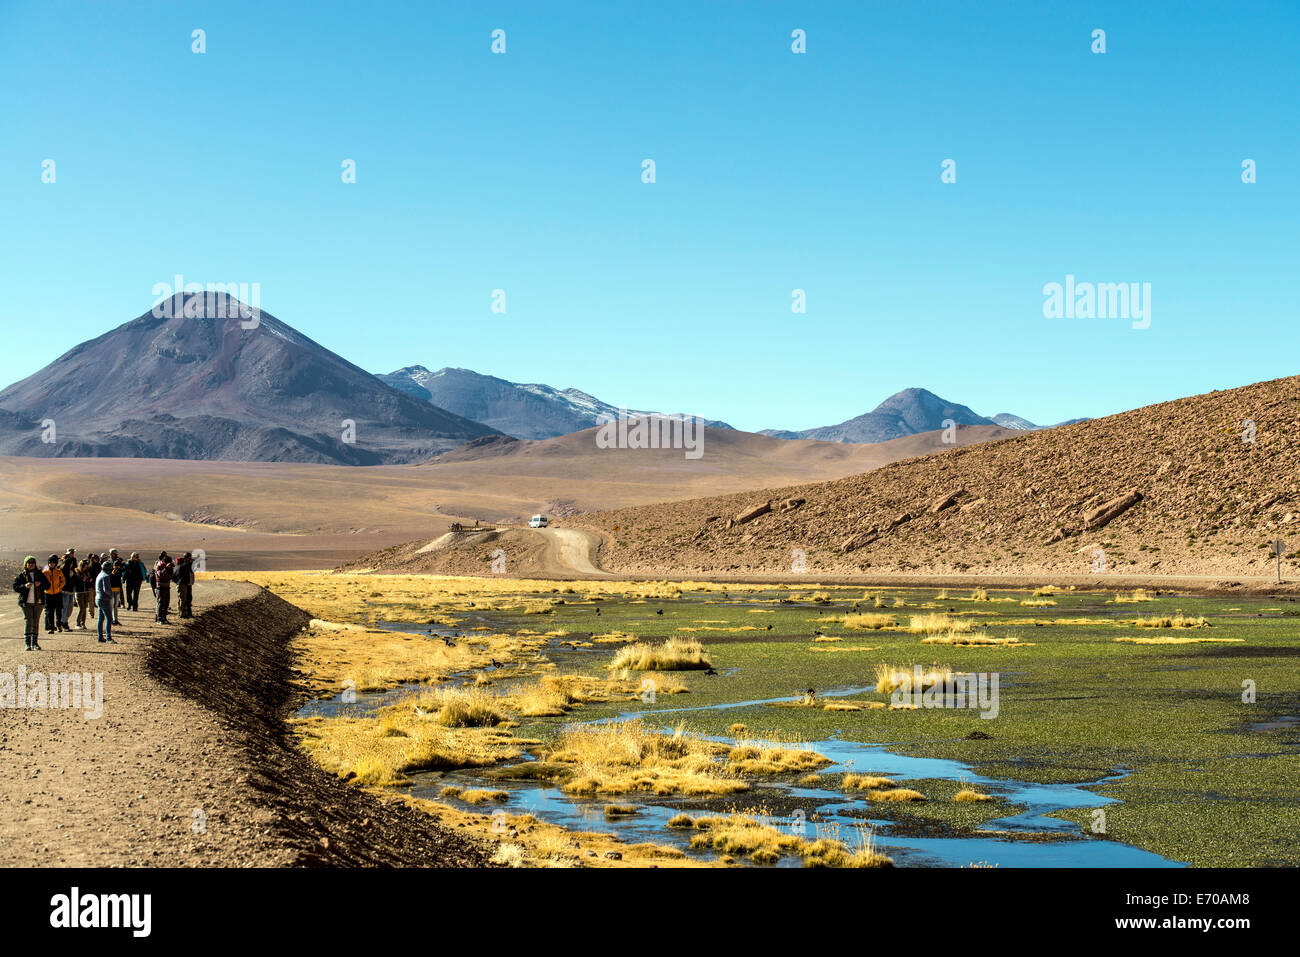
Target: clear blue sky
x=775 y=171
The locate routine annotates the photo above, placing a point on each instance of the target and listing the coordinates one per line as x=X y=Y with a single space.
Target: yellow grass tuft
x=867 y=782
x=934 y=624
x=973 y=638
x=1178 y=640
x=1172 y=621
x=890 y=678
x=675 y=654
x=895 y=794
x=869 y=622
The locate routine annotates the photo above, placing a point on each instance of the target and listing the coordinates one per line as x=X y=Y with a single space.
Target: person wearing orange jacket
x=54 y=596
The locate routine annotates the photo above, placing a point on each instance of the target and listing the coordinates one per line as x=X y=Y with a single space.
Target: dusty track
x=193 y=718
x=563 y=553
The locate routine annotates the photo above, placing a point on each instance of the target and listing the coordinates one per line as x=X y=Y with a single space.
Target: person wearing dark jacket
x=133 y=576
x=162 y=576
x=85 y=591
x=69 y=569
x=30 y=587
x=184 y=578
x=95 y=566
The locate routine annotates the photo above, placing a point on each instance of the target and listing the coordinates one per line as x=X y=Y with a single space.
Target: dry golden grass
x=895 y=794
x=1136 y=596
x=869 y=622
x=1038 y=603
x=845 y=706
x=974 y=638
x=826 y=639
x=380 y=753
x=482 y=796
x=1045 y=591
x=675 y=654
x=773 y=757
x=969 y=795
x=1177 y=640
x=731 y=629
x=744 y=835
x=866 y=782
x=890 y=678
x=627 y=756
x=613 y=638
x=460 y=708
x=935 y=624
x=753 y=834
x=615 y=811
x=1172 y=621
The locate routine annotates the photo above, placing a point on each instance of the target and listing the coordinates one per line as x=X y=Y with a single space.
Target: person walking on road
x=184 y=578
x=69 y=569
x=133 y=576
x=30 y=586
x=115 y=578
x=162 y=574
x=85 y=591
x=53 y=595
x=95 y=566
x=104 y=599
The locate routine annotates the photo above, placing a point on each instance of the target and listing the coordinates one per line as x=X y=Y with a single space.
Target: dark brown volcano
x=203 y=387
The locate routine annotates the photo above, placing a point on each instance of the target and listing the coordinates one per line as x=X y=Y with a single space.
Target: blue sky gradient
x=775 y=171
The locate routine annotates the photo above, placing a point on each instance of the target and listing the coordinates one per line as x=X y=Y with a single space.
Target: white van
x=537 y=521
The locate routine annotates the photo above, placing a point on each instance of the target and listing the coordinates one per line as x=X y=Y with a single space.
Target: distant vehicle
x=537 y=521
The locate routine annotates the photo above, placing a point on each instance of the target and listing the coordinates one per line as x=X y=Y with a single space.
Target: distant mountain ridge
x=523 y=410
x=908 y=412
x=203 y=386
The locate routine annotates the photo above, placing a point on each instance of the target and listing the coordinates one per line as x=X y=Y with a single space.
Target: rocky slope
x=1162 y=490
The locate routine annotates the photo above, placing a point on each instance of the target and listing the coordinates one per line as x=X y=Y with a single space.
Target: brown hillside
x=1168 y=489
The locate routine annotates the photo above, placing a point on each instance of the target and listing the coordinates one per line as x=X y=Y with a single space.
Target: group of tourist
x=103 y=583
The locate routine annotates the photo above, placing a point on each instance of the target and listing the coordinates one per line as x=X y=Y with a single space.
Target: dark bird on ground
x=597 y=612
x=448 y=642
x=769 y=627
x=659 y=612
x=495 y=663
x=710 y=671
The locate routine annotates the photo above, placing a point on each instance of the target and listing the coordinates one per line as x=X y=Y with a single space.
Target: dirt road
x=190 y=762
x=569 y=551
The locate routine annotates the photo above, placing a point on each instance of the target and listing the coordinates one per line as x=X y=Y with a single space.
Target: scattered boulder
x=749 y=514
x=898 y=520
x=790 y=504
x=860 y=540
x=946 y=501
x=1104 y=514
